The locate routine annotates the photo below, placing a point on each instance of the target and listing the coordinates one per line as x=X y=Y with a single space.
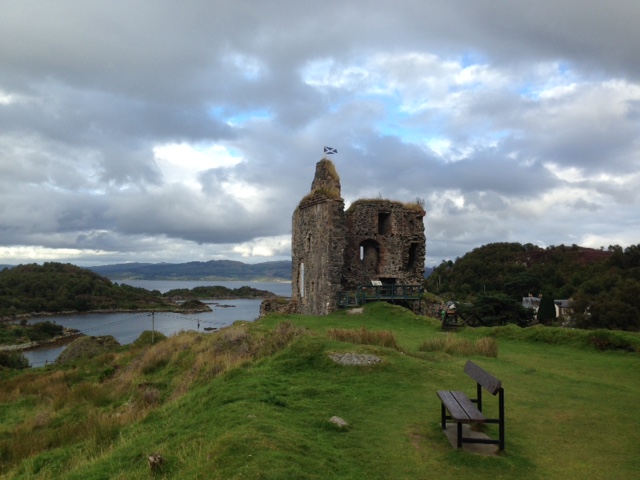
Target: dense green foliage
x=218 y=291
x=57 y=287
x=498 y=309
x=547 y=310
x=604 y=284
x=13 y=360
x=254 y=401
x=11 y=333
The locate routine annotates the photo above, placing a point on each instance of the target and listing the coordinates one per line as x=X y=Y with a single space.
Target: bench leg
x=459 y=434
x=443 y=417
x=501 y=421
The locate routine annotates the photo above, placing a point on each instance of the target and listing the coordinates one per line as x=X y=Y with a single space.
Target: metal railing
x=375 y=293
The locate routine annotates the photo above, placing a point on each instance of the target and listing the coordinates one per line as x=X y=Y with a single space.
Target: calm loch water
x=126 y=327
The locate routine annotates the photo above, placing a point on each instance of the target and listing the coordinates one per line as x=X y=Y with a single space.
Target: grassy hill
x=254 y=401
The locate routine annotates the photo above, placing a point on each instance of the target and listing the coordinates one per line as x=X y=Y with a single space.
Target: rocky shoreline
x=67 y=337
x=28 y=316
x=71 y=334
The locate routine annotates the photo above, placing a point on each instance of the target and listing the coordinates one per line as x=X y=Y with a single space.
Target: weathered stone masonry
x=334 y=251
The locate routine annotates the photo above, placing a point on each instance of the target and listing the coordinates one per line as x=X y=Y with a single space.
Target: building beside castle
x=374 y=242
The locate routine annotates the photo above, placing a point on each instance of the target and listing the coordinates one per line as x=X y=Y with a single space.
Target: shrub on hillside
x=45 y=330
x=611 y=340
x=15 y=360
x=148 y=337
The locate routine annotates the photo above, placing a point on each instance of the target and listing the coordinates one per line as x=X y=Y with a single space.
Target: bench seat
x=459 y=408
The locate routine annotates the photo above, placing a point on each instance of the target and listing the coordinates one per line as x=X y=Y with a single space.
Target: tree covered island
x=57 y=287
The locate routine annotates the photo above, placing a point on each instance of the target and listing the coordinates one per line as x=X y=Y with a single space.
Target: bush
x=106 y=373
x=193 y=304
x=15 y=360
x=148 y=337
x=610 y=340
x=500 y=309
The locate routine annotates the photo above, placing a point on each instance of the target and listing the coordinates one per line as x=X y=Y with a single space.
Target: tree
x=610 y=314
x=500 y=309
x=547 y=310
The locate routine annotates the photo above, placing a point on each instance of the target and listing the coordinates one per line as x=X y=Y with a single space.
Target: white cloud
x=265 y=247
x=24 y=254
x=182 y=162
x=6 y=98
x=250 y=67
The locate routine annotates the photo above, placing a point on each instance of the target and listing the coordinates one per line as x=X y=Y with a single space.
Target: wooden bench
x=462 y=409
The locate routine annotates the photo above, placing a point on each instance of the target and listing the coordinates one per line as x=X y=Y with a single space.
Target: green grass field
x=255 y=402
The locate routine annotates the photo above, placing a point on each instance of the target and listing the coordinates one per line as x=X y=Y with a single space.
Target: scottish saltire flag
x=330 y=150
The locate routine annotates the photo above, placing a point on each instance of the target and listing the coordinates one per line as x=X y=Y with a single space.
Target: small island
x=53 y=289
x=57 y=288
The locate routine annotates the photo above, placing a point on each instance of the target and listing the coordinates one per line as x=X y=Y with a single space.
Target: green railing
x=375 y=293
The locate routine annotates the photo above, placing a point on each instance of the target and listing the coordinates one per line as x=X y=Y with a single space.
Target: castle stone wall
x=318 y=244
x=386 y=243
x=334 y=250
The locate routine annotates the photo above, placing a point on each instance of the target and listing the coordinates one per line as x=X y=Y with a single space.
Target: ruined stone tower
x=334 y=251
x=318 y=244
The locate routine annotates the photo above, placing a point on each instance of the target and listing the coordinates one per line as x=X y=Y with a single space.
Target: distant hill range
x=214 y=270
x=219 y=270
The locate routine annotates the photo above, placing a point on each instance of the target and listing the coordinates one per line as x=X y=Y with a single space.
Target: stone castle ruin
x=379 y=243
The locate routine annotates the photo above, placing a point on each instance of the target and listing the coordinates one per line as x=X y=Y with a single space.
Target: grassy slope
x=571 y=413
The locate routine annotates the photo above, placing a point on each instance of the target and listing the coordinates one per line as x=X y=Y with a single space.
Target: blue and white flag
x=330 y=150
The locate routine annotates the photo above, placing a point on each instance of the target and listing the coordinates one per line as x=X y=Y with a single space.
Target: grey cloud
x=87 y=90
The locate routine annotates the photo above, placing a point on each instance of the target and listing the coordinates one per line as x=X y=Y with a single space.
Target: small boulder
x=339 y=422
x=155 y=461
x=349 y=358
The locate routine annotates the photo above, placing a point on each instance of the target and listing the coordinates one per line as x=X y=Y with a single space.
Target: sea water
x=126 y=327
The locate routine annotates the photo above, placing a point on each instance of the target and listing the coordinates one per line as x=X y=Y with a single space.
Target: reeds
x=455 y=345
x=381 y=338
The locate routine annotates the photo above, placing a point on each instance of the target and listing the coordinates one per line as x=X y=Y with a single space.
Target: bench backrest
x=488 y=381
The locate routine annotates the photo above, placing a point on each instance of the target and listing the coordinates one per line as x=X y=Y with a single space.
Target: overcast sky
x=165 y=131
